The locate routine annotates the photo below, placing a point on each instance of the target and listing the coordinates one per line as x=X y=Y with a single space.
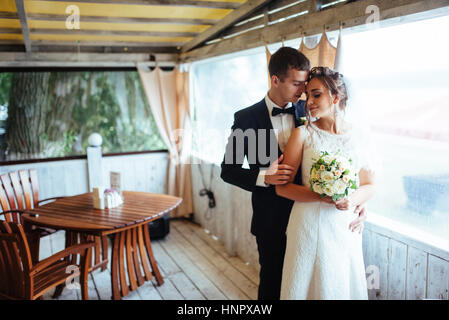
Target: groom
x=260 y=133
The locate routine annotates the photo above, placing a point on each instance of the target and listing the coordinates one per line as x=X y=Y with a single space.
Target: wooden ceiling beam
x=11 y=30
x=294 y=9
x=178 y=3
x=43 y=48
x=85 y=18
x=93 y=57
x=351 y=14
x=8 y=15
x=243 y=11
x=107 y=43
x=111 y=33
x=20 y=6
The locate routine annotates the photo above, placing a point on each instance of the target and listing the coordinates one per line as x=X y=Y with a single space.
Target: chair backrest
x=18 y=191
x=15 y=262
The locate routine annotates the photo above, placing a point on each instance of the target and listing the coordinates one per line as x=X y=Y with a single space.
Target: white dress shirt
x=283 y=125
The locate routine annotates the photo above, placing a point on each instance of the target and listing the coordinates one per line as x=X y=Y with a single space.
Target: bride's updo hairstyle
x=334 y=82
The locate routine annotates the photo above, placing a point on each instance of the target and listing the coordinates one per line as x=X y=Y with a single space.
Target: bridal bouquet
x=333 y=176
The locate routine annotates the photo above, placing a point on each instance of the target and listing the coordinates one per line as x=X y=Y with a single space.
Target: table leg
x=153 y=263
x=114 y=266
x=134 y=241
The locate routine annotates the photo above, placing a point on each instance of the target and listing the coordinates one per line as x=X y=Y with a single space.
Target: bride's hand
x=343 y=204
x=327 y=199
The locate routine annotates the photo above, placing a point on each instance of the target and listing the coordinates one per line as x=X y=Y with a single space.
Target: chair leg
x=85 y=263
x=58 y=291
x=104 y=251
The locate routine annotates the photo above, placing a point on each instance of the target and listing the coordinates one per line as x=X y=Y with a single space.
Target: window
x=399 y=80
x=52 y=114
x=220 y=88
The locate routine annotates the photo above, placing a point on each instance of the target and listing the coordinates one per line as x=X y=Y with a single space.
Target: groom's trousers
x=271 y=249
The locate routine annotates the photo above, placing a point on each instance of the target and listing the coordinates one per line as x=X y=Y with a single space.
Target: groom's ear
x=275 y=80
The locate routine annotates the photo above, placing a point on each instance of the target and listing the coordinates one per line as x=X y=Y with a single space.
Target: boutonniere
x=302 y=120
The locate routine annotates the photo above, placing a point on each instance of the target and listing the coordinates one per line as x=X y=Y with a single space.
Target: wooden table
x=128 y=222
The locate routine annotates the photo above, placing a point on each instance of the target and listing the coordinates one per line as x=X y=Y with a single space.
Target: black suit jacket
x=260 y=146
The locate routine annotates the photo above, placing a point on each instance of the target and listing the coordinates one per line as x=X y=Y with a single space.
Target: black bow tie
x=277 y=111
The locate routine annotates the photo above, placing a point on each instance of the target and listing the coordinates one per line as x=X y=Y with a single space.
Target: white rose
x=317 y=188
x=328 y=159
x=344 y=164
x=327 y=176
x=328 y=190
x=346 y=178
x=339 y=187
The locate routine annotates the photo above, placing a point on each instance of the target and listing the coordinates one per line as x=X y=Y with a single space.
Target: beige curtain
x=268 y=54
x=323 y=54
x=167 y=93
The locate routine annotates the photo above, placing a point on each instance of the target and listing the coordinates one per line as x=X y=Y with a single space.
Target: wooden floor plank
x=223 y=265
x=249 y=271
x=102 y=281
x=214 y=273
x=148 y=292
x=186 y=287
x=164 y=261
x=91 y=289
x=207 y=288
x=167 y=290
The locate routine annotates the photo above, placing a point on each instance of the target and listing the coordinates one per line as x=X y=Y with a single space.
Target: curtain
x=167 y=93
x=323 y=54
x=267 y=52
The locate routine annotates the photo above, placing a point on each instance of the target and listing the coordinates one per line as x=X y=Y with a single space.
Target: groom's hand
x=278 y=174
x=358 y=223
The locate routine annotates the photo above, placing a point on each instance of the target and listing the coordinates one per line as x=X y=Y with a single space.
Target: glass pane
x=52 y=114
x=222 y=87
x=399 y=80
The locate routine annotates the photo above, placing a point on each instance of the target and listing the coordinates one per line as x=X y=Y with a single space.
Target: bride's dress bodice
x=348 y=145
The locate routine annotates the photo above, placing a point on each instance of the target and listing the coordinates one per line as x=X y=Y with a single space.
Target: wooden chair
x=23 y=279
x=19 y=191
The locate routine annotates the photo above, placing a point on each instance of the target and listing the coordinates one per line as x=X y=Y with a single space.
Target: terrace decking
x=193 y=264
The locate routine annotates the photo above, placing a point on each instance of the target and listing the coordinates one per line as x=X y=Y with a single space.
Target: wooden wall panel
x=416 y=274
x=438 y=278
x=397 y=270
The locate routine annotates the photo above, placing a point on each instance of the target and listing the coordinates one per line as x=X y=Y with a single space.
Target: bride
x=323 y=258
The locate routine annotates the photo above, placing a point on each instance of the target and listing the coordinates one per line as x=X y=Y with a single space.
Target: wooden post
x=94 y=161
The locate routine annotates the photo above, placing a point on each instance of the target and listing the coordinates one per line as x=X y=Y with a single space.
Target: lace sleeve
x=304 y=134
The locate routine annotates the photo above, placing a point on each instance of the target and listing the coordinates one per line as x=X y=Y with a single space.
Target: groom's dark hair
x=286 y=58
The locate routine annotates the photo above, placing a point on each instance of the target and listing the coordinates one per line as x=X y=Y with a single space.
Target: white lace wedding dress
x=323 y=258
